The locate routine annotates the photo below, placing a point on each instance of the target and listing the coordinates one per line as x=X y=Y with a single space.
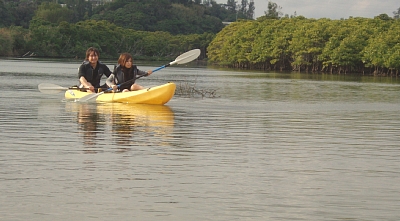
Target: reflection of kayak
x=153 y=95
x=129 y=123
x=125 y=118
x=134 y=111
x=154 y=115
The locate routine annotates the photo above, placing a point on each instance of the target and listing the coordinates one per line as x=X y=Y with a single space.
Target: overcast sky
x=333 y=9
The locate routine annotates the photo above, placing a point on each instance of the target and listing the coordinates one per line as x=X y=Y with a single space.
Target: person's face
x=93 y=57
x=128 y=63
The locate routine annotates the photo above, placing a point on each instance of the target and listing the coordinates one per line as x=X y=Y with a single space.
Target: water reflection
x=131 y=121
x=88 y=119
x=126 y=125
x=89 y=125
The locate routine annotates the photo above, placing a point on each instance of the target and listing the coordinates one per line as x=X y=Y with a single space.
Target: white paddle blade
x=187 y=57
x=182 y=59
x=48 y=88
x=89 y=97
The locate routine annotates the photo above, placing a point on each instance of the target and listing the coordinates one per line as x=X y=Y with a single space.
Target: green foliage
x=19 y=13
x=351 y=45
x=53 y=13
x=6 y=19
x=105 y=34
x=6 y=42
x=20 y=36
x=82 y=9
x=383 y=49
x=45 y=39
x=167 y=28
x=383 y=17
x=146 y=28
x=175 y=17
x=71 y=40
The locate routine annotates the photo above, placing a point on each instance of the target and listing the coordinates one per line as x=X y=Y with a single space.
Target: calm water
x=269 y=147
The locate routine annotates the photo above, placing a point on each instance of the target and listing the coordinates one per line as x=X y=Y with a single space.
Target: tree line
x=356 y=45
x=173 y=16
x=271 y=42
x=145 y=28
x=67 y=40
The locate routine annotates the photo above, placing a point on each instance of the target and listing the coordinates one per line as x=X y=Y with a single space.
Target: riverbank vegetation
x=356 y=45
x=163 y=29
x=148 y=29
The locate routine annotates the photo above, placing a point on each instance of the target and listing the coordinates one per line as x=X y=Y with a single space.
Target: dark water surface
x=270 y=147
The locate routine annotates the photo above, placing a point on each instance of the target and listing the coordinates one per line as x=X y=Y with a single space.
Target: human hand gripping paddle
x=181 y=59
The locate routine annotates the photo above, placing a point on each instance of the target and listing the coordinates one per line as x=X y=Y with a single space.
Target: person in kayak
x=124 y=75
x=91 y=71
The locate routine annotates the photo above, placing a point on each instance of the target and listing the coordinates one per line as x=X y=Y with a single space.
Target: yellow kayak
x=152 y=95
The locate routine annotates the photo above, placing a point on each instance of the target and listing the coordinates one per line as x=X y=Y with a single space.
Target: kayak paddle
x=48 y=88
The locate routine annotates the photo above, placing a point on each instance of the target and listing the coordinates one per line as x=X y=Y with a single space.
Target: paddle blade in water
x=48 y=88
x=89 y=97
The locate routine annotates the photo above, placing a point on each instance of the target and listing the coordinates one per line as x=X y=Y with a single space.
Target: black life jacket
x=94 y=75
x=129 y=77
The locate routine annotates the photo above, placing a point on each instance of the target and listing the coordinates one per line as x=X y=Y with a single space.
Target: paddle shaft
x=159 y=68
x=48 y=88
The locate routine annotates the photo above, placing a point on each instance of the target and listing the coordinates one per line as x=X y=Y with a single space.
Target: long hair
x=90 y=50
x=123 y=58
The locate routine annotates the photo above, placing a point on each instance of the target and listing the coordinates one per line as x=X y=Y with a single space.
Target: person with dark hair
x=91 y=71
x=124 y=75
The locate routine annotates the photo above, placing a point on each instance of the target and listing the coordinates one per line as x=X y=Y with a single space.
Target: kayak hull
x=152 y=95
